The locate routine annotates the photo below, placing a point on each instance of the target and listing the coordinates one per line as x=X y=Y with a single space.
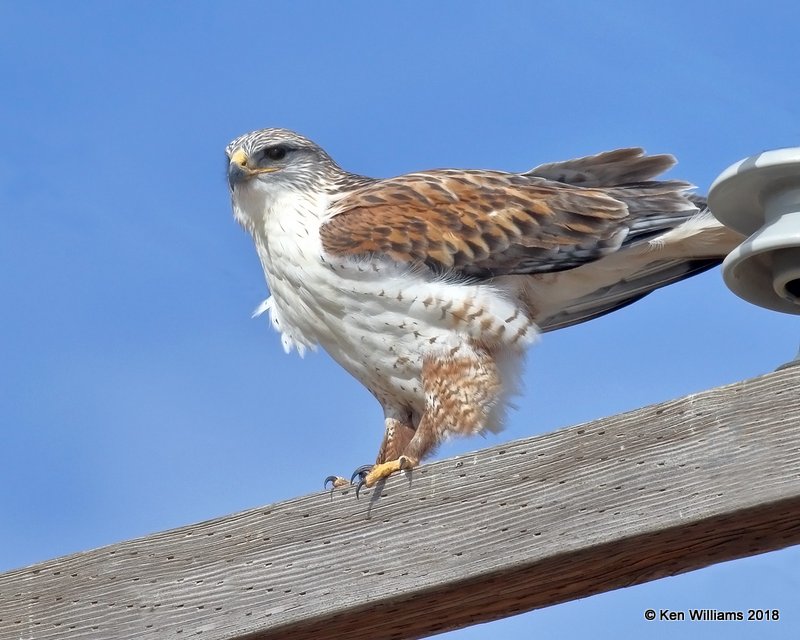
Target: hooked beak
x=239 y=169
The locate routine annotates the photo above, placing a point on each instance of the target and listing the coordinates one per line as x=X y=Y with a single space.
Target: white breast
x=375 y=318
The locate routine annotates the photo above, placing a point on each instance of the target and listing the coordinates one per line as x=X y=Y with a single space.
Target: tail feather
x=620 y=294
x=563 y=299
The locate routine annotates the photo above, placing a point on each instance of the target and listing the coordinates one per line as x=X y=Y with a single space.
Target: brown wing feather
x=479 y=223
x=607 y=169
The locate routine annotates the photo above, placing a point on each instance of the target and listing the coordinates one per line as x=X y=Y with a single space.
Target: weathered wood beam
x=614 y=502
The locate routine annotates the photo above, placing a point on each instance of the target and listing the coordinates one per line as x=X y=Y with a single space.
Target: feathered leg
x=463 y=390
x=396 y=436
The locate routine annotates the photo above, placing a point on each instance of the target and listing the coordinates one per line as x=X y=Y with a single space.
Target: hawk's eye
x=275 y=153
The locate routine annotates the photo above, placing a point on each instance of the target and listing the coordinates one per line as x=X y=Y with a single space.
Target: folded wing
x=594 y=234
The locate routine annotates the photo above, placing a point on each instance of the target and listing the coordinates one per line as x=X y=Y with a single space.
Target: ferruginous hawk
x=429 y=286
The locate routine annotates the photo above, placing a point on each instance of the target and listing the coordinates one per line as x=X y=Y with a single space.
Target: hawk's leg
x=397 y=433
x=462 y=391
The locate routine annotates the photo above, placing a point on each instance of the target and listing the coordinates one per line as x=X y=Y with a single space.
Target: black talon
x=332 y=480
x=361 y=473
x=361 y=483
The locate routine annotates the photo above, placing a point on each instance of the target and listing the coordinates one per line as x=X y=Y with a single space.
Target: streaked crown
x=283 y=159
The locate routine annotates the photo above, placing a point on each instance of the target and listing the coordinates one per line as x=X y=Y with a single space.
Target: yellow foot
x=384 y=470
x=337 y=482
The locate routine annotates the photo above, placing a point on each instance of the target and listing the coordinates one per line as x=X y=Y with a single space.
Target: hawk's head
x=279 y=170
x=277 y=159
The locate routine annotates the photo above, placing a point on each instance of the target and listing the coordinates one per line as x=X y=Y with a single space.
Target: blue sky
x=136 y=394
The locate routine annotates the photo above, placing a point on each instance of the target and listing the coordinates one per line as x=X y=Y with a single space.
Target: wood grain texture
x=614 y=502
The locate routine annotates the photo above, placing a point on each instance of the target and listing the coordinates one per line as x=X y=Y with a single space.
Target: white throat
x=284 y=224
